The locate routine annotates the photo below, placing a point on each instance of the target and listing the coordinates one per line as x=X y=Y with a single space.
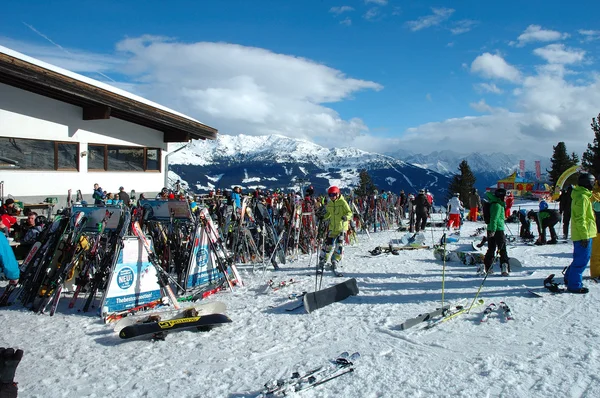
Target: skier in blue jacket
x=8 y=262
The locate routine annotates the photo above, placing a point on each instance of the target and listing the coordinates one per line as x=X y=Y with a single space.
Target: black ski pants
x=496 y=241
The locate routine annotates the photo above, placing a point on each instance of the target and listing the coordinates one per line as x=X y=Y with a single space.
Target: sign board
x=202 y=269
x=161 y=210
x=95 y=215
x=133 y=280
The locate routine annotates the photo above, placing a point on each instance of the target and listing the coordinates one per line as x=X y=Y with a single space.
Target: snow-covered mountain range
x=276 y=161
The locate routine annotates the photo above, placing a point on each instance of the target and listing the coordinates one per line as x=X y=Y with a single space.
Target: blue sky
x=380 y=75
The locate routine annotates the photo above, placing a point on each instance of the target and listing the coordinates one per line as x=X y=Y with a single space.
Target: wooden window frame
x=56 y=143
x=55 y=153
x=145 y=161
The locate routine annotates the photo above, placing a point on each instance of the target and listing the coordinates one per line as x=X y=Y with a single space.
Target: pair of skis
x=438 y=316
x=338 y=367
x=502 y=306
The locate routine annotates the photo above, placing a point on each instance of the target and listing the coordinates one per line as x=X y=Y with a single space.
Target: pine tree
x=591 y=157
x=561 y=161
x=365 y=184
x=462 y=183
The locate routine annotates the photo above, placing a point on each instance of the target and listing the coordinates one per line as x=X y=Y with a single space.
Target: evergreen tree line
x=464 y=181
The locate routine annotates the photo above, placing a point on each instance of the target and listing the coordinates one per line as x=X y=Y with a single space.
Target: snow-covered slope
x=548 y=350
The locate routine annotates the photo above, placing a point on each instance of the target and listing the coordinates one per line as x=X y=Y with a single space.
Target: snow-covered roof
x=90 y=90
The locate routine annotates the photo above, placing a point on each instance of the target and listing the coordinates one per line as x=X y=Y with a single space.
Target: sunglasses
x=332 y=195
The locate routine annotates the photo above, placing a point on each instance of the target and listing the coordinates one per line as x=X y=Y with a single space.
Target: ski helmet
x=333 y=191
x=531 y=214
x=543 y=205
x=500 y=193
x=586 y=180
x=456 y=194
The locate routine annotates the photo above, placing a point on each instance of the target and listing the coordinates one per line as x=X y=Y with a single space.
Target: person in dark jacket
x=474 y=205
x=124 y=196
x=98 y=195
x=545 y=219
x=495 y=233
x=422 y=209
x=564 y=208
x=525 y=231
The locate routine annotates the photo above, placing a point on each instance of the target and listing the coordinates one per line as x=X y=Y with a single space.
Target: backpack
x=486 y=210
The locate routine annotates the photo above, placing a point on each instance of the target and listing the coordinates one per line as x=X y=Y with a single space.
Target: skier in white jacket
x=454 y=209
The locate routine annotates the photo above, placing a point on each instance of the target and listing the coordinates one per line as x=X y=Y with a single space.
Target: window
x=123 y=158
x=153 y=159
x=27 y=154
x=96 y=157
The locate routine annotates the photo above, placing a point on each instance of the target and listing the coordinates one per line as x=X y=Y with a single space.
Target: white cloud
x=346 y=21
x=371 y=13
x=463 y=26
x=535 y=33
x=589 y=35
x=548 y=109
x=488 y=88
x=70 y=59
x=340 y=10
x=439 y=15
x=484 y=107
x=378 y=2
x=495 y=67
x=559 y=54
x=240 y=89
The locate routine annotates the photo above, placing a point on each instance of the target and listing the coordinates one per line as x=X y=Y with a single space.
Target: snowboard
x=472 y=258
x=217 y=307
x=321 y=298
x=141 y=329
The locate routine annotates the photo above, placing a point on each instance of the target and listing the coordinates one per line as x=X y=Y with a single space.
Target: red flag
x=522 y=167
x=538 y=170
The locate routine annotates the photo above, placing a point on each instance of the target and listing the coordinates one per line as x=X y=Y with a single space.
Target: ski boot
x=320 y=267
x=504 y=269
x=333 y=268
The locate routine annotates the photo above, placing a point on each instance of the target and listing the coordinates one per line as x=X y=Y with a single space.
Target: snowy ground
x=548 y=350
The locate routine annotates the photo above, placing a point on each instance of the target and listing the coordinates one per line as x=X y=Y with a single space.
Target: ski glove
x=584 y=243
x=344 y=218
x=9 y=360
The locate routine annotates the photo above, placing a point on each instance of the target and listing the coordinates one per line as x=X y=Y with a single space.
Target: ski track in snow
x=547 y=350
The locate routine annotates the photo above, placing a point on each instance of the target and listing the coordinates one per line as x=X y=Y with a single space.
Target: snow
x=89 y=81
x=549 y=349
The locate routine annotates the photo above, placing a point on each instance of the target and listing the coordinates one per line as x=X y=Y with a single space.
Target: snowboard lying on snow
x=321 y=298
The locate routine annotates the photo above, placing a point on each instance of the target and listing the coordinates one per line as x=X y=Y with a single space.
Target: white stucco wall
x=27 y=115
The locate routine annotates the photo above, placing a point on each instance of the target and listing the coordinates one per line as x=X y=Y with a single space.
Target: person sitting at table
x=26 y=225
x=8 y=207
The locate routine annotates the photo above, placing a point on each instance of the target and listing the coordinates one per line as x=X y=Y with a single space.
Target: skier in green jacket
x=338 y=213
x=495 y=233
x=583 y=230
